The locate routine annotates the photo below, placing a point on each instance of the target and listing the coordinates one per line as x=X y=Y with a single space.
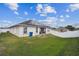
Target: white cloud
x=31 y=7
x=26 y=13
x=67 y=16
x=45 y=9
x=61 y=16
x=15 y=12
x=13 y=6
x=62 y=20
x=5 y=23
x=39 y=8
x=20 y=17
x=49 y=9
x=50 y=21
x=67 y=10
x=74 y=7
x=43 y=14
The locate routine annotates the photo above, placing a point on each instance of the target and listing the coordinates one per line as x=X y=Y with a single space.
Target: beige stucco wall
x=31 y=29
x=18 y=31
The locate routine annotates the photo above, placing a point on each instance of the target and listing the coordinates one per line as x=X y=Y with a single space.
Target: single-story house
x=29 y=28
x=62 y=29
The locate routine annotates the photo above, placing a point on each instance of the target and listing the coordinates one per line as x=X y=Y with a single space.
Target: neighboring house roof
x=62 y=29
x=30 y=23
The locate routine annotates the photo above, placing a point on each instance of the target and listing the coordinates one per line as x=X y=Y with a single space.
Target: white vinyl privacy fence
x=68 y=34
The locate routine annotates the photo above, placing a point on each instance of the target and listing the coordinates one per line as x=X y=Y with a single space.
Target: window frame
x=36 y=29
x=25 y=30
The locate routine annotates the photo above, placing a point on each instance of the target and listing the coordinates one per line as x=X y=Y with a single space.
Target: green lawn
x=47 y=45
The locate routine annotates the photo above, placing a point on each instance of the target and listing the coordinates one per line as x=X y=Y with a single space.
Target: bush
x=70 y=27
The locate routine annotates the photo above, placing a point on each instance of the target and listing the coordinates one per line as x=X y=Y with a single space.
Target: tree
x=70 y=27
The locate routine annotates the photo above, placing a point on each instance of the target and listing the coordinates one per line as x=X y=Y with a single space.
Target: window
x=36 y=29
x=25 y=30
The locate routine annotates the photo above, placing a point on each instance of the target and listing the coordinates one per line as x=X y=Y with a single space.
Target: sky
x=51 y=14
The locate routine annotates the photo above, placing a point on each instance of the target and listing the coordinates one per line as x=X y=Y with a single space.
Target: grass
x=47 y=45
